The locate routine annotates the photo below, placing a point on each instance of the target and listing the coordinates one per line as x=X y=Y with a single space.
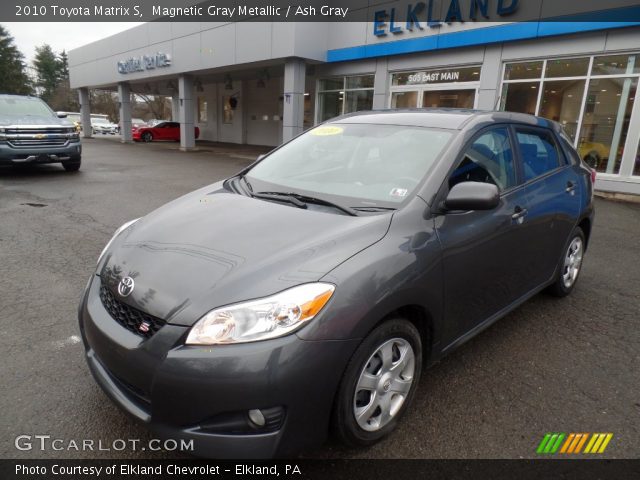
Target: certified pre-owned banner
x=396 y=14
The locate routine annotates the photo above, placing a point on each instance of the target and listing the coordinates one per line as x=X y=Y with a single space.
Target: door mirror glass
x=473 y=196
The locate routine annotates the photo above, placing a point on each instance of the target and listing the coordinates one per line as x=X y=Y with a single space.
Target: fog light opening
x=257 y=418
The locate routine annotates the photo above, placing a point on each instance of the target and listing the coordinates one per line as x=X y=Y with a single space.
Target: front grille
x=36 y=131
x=38 y=142
x=129 y=317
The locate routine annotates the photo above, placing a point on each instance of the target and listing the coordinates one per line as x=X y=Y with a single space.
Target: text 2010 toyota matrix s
x=306 y=294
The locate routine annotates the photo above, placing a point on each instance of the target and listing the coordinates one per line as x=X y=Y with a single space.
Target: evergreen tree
x=13 y=74
x=48 y=71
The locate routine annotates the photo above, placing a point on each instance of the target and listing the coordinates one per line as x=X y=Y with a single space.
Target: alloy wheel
x=384 y=384
x=572 y=262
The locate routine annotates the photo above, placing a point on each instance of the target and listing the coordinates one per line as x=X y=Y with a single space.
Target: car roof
x=447 y=118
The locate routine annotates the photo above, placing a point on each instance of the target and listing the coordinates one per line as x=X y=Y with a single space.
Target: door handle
x=519 y=214
x=571 y=186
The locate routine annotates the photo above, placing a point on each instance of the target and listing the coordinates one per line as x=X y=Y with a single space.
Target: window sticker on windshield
x=327 y=130
x=399 y=192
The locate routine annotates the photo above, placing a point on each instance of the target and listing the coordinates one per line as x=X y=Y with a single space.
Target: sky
x=61 y=36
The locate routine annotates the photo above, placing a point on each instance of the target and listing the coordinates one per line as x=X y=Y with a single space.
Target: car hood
x=214 y=248
x=38 y=120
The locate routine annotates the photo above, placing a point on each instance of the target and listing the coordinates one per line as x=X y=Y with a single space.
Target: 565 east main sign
x=420 y=14
x=145 y=62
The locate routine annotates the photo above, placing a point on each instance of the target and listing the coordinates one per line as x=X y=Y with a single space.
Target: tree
x=13 y=74
x=48 y=71
x=64 y=97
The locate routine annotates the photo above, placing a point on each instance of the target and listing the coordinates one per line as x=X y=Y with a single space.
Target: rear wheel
x=378 y=384
x=147 y=137
x=72 y=165
x=570 y=265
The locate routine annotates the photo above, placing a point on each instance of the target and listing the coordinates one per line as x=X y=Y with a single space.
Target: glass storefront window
x=570 y=67
x=404 y=99
x=449 y=98
x=330 y=104
x=358 y=100
x=337 y=96
x=520 y=97
x=523 y=71
x=606 y=121
x=561 y=102
x=437 y=75
x=616 y=65
x=360 y=81
x=332 y=84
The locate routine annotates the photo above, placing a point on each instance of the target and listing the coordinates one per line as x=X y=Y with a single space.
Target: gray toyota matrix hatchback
x=307 y=293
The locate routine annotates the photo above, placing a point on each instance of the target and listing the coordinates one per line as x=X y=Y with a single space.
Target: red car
x=162 y=131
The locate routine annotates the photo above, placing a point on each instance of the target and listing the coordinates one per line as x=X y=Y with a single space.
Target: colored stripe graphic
x=573 y=443
x=598 y=442
x=550 y=443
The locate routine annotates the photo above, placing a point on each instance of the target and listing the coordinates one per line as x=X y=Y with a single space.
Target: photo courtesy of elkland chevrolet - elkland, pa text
x=320 y=239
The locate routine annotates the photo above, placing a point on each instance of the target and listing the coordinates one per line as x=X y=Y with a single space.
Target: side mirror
x=260 y=157
x=473 y=196
x=61 y=115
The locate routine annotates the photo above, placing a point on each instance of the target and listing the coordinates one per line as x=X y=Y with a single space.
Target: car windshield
x=99 y=120
x=20 y=107
x=364 y=164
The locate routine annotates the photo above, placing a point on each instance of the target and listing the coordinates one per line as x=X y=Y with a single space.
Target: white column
x=124 y=99
x=175 y=109
x=187 y=113
x=293 y=109
x=85 y=111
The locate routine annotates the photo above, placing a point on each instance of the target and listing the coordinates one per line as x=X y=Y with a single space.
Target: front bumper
x=177 y=390
x=47 y=154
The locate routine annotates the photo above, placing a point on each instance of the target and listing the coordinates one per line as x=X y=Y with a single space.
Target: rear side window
x=539 y=152
x=488 y=159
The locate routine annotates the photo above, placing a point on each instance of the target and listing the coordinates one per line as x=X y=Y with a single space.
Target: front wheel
x=570 y=265
x=72 y=165
x=378 y=384
x=147 y=137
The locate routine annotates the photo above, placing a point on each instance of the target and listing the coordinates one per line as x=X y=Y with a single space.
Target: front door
x=482 y=263
x=450 y=98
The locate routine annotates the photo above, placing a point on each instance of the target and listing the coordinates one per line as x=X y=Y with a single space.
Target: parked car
x=162 y=131
x=138 y=122
x=308 y=292
x=103 y=126
x=30 y=132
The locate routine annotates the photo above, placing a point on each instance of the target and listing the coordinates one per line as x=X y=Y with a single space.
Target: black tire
x=592 y=159
x=72 y=165
x=147 y=137
x=560 y=288
x=343 y=422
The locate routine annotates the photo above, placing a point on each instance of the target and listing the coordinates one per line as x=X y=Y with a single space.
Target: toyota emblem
x=125 y=287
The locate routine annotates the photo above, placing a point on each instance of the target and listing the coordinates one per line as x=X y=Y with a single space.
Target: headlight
x=262 y=319
x=118 y=232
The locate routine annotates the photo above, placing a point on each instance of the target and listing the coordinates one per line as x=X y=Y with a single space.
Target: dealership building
x=262 y=83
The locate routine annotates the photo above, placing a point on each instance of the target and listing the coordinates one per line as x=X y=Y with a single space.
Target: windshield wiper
x=281 y=197
x=373 y=209
x=317 y=201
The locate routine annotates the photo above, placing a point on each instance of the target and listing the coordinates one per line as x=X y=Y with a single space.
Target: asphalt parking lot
x=570 y=365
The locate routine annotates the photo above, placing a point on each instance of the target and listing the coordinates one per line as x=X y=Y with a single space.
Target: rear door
x=553 y=199
x=482 y=259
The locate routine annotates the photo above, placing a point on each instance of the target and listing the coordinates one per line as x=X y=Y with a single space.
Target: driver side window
x=489 y=159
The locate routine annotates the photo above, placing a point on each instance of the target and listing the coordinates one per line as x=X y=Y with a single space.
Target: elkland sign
x=145 y=62
x=420 y=14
